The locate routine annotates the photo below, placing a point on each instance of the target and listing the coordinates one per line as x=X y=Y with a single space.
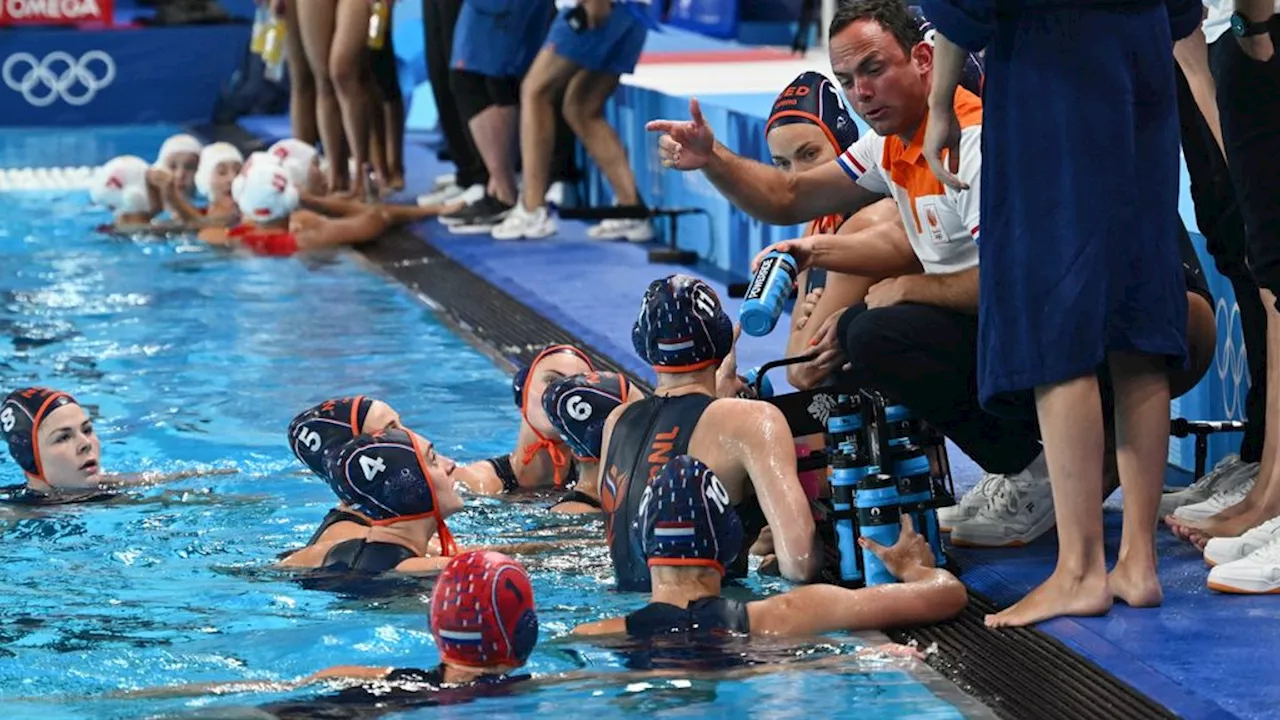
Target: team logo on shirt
x=930 y=219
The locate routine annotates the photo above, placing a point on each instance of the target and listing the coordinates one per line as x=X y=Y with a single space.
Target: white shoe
x=443 y=181
x=1228 y=495
x=440 y=196
x=1222 y=550
x=555 y=194
x=1256 y=574
x=971 y=503
x=521 y=224
x=1224 y=472
x=1020 y=510
x=636 y=231
x=469 y=197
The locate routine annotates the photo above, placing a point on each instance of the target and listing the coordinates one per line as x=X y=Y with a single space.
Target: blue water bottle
x=910 y=466
x=848 y=466
x=766 y=387
x=770 y=288
x=879 y=519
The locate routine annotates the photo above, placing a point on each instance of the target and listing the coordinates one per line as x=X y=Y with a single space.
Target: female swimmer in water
x=539 y=459
x=219 y=165
x=577 y=407
x=689 y=537
x=122 y=186
x=52 y=439
x=273 y=224
x=179 y=158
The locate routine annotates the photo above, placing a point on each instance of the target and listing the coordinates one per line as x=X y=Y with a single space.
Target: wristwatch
x=1244 y=27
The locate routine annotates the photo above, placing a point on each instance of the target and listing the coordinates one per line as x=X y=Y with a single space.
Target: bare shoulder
x=742 y=412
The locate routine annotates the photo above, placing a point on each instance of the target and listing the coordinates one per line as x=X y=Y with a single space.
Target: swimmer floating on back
x=52 y=439
x=540 y=459
x=690 y=533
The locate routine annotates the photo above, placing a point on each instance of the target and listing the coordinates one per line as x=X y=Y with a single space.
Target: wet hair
x=892 y=15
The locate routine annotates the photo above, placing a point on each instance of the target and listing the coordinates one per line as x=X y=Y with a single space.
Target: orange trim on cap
x=35 y=429
x=558 y=460
x=355 y=416
x=447 y=545
x=687 y=562
x=671 y=369
x=803 y=115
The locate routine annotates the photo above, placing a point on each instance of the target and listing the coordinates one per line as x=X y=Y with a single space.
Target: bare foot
x=396 y=182
x=1135 y=584
x=1057 y=596
x=1199 y=532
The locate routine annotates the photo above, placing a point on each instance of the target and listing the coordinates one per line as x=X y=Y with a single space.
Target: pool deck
x=1201 y=655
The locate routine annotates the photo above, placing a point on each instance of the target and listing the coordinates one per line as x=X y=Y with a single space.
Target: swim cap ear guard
x=578 y=406
x=682 y=326
x=685 y=517
x=483 y=613
x=20 y=418
x=325 y=427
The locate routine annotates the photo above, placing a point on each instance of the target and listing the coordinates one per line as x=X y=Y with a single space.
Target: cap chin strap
x=448 y=547
x=559 y=460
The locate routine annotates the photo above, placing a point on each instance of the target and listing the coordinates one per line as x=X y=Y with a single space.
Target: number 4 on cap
x=371 y=466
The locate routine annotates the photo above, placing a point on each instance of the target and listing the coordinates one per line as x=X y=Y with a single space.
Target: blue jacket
x=970 y=23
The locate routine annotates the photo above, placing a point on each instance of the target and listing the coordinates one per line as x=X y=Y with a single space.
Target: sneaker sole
x=1014 y=543
x=472 y=229
x=1232 y=590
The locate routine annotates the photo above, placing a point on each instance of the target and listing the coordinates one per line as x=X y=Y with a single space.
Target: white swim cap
x=210 y=157
x=256 y=158
x=178 y=144
x=297 y=157
x=121 y=185
x=267 y=194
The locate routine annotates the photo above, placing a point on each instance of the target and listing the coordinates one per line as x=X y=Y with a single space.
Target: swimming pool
x=191 y=358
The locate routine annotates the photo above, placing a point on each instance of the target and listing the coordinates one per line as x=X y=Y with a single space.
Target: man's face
x=887 y=87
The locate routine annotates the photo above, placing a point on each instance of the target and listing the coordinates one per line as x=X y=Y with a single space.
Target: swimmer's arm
x=574 y=508
x=335 y=232
x=954 y=291
x=338 y=672
x=612 y=626
x=423 y=565
x=769 y=457
x=152 y=478
x=332 y=205
x=214 y=235
x=926 y=595
x=782 y=198
x=182 y=206
x=881 y=250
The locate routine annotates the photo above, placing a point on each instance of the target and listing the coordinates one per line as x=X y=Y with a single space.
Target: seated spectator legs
x=316 y=20
x=302 y=84
x=351 y=76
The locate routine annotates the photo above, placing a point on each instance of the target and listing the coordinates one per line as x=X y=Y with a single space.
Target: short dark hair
x=892 y=15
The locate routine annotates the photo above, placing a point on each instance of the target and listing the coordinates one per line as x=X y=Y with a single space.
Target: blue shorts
x=499 y=38
x=613 y=49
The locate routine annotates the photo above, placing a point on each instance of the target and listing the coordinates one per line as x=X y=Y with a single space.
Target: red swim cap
x=482 y=611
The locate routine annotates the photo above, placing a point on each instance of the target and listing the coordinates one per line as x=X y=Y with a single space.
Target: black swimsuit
x=403 y=689
x=23 y=495
x=507 y=474
x=708 y=615
x=579 y=497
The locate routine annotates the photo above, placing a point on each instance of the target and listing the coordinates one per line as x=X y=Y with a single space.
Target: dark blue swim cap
x=686 y=519
x=325 y=427
x=812 y=99
x=20 y=418
x=682 y=327
x=578 y=406
x=382 y=477
x=971 y=77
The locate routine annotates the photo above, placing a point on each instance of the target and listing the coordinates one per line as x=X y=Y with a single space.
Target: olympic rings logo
x=1231 y=360
x=58 y=75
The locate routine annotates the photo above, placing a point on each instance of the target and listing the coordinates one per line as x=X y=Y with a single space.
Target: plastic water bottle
x=915 y=495
x=879 y=519
x=379 y=18
x=273 y=50
x=849 y=464
x=766 y=387
x=261 y=18
x=770 y=288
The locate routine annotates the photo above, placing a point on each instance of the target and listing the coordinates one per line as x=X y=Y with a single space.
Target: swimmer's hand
x=159 y=178
x=908 y=558
x=728 y=383
x=804 y=310
x=891 y=650
x=800 y=250
x=685 y=145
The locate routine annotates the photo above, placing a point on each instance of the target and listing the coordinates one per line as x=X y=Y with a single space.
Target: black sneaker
x=463 y=214
x=488 y=213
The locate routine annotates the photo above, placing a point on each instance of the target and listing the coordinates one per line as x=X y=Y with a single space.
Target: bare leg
x=495 y=132
x=302 y=84
x=377 y=136
x=1071 y=424
x=393 y=122
x=548 y=75
x=1142 y=453
x=584 y=101
x=349 y=68
x=316 y=21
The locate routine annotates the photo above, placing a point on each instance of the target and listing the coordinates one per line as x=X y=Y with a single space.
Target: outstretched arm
x=154 y=478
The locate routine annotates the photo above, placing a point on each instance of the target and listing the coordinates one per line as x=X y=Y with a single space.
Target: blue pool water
x=191 y=358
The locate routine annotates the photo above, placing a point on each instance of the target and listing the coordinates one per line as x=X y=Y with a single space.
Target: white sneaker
x=440 y=196
x=971 y=503
x=521 y=224
x=1222 y=550
x=1224 y=472
x=1228 y=495
x=443 y=181
x=636 y=231
x=555 y=194
x=1020 y=510
x=1256 y=574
